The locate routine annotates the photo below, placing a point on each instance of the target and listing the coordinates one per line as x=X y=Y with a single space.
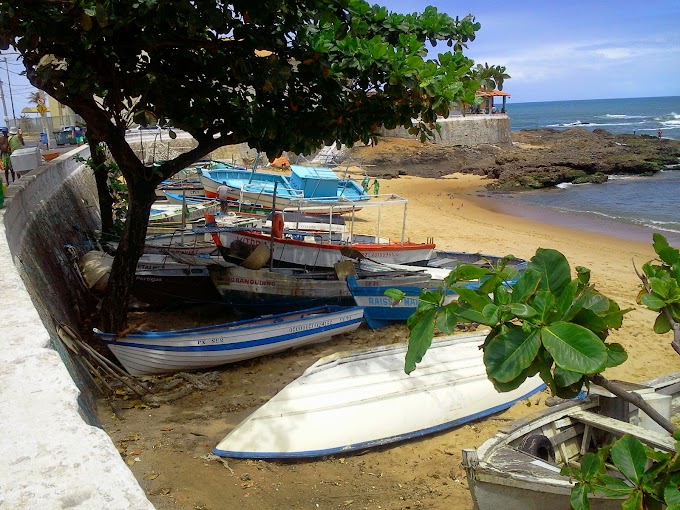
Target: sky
x=553 y=50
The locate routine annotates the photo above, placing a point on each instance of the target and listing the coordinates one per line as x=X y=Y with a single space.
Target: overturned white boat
x=354 y=401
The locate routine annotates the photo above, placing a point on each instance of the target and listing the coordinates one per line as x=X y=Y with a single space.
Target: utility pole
x=4 y=106
x=11 y=98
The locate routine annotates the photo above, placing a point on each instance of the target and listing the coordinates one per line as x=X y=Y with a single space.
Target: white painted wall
x=49 y=457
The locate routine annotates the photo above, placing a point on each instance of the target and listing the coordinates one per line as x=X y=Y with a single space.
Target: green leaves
x=543 y=322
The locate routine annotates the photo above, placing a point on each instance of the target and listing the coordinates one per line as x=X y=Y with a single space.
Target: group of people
x=10 y=140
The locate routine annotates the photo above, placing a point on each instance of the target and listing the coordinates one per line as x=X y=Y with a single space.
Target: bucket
x=43 y=138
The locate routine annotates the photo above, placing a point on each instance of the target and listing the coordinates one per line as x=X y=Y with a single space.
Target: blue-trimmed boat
x=315 y=190
x=160 y=352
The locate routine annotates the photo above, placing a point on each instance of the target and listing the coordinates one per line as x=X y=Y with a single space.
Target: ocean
x=641 y=116
x=630 y=207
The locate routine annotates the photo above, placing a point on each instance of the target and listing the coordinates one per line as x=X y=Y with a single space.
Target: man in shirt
x=223 y=197
x=4 y=155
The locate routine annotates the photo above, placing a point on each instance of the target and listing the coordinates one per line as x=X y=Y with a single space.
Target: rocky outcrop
x=536 y=159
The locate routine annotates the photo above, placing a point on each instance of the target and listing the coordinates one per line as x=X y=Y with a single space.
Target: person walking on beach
x=5 y=151
x=376 y=187
x=365 y=183
x=223 y=197
x=659 y=133
x=15 y=139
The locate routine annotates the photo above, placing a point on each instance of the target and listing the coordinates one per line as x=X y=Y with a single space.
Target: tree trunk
x=113 y=312
x=101 y=176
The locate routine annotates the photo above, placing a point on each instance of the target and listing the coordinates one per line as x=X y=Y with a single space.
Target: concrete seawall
x=52 y=454
x=468 y=131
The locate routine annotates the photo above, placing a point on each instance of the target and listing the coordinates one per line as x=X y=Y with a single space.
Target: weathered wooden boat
x=281 y=289
x=310 y=189
x=177 y=212
x=381 y=311
x=520 y=466
x=159 y=280
x=443 y=262
x=324 y=250
x=354 y=401
x=159 y=352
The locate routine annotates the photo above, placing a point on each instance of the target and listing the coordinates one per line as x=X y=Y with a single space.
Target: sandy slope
x=165 y=446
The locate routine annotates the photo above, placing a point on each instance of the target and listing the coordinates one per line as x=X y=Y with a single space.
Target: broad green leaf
x=565 y=300
x=526 y=285
x=447 y=318
x=395 y=294
x=468 y=272
x=616 y=355
x=544 y=304
x=590 y=465
x=663 y=249
x=579 y=497
x=662 y=324
x=574 y=347
x=419 y=340
x=509 y=353
x=566 y=377
x=628 y=455
x=582 y=275
x=653 y=302
x=491 y=314
x=554 y=269
x=502 y=296
x=475 y=299
x=634 y=501
x=521 y=310
x=671 y=495
x=613 y=487
x=502 y=387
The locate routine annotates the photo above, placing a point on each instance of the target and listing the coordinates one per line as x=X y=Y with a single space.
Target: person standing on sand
x=364 y=183
x=223 y=197
x=376 y=187
x=659 y=133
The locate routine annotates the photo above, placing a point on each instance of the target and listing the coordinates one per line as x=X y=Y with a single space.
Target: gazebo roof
x=488 y=93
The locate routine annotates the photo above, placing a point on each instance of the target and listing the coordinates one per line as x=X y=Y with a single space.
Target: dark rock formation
x=537 y=158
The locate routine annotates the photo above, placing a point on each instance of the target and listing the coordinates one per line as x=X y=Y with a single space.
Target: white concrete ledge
x=50 y=458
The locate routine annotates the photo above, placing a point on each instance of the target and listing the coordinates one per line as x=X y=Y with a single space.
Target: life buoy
x=277 y=225
x=539 y=446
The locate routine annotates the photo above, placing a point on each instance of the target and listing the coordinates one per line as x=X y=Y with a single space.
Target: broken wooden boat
x=520 y=466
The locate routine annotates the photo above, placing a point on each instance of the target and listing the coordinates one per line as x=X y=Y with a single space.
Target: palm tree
x=499 y=75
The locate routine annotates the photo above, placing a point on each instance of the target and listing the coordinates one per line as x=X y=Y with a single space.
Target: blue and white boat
x=314 y=189
x=381 y=311
x=160 y=352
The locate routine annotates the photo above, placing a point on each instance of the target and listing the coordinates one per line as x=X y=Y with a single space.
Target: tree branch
x=634 y=399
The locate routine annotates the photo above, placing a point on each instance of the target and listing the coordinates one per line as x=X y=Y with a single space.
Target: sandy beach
x=167 y=447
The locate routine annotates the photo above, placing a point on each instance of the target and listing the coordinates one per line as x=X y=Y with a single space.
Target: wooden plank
x=654 y=439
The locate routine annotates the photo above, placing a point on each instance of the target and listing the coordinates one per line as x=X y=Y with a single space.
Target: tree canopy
x=281 y=76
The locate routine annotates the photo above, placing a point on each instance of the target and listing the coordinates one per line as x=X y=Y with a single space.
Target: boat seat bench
x=655 y=439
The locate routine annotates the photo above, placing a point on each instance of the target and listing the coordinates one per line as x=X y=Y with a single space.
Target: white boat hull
x=148 y=353
x=348 y=402
x=307 y=253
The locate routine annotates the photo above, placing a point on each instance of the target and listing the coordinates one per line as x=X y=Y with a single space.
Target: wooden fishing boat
x=160 y=352
x=159 y=280
x=177 y=212
x=310 y=189
x=354 y=401
x=324 y=250
x=282 y=289
x=520 y=466
x=381 y=311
